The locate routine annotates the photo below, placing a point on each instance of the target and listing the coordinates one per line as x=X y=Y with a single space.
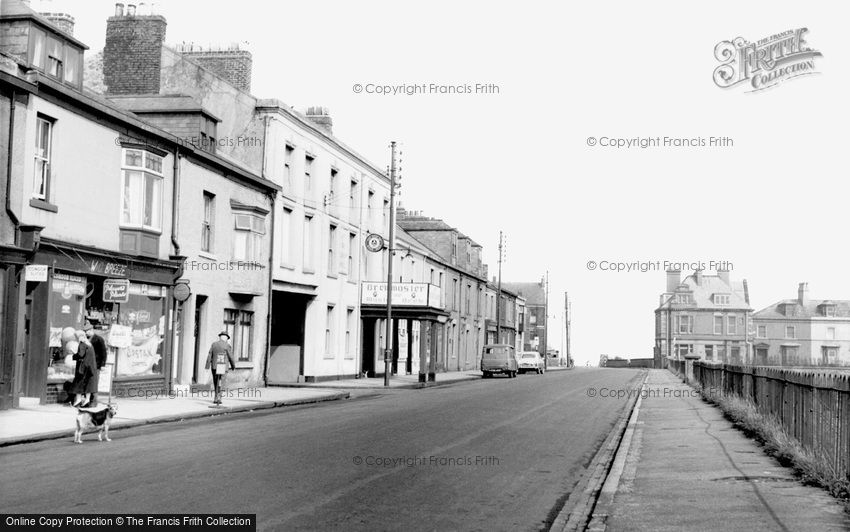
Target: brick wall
x=232 y=65
x=133 y=54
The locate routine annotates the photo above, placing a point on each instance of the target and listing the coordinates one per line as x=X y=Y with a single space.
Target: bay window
x=141 y=198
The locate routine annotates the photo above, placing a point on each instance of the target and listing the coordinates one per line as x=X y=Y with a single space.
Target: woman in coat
x=85 y=374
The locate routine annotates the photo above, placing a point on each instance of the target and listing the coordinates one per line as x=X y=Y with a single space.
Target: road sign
x=374 y=243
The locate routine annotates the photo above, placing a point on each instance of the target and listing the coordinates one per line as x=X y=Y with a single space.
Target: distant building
x=703 y=315
x=534 y=326
x=463 y=287
x=510 y=316
x=803 y=331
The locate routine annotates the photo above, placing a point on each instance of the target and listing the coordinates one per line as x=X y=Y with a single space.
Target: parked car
x=499 y=358
x=531 y=361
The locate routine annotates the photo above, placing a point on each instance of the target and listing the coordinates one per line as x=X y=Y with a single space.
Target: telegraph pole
x=388 y=345
x=499 y=296
x=546 y=322
x=567 y=318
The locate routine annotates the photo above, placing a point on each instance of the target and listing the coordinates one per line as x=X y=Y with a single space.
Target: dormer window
x=828 y=310
x=722 y=299
x=683 y=299
x=56 y=57
x=789 y=309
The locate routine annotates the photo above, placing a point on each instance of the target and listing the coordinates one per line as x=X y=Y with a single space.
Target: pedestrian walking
x=220 y=355
x=100 y=352
x=85 y=372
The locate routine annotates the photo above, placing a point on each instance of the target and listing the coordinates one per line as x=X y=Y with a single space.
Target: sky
x=516 y=158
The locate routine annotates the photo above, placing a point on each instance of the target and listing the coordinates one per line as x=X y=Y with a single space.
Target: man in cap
x=220 y=355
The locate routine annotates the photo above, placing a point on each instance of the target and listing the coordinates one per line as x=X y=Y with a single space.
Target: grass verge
x=809 y=466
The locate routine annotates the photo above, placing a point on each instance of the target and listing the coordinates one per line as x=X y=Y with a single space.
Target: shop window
x=239 y=324
x=68 y=309
x=144 y=314
x=133 y=327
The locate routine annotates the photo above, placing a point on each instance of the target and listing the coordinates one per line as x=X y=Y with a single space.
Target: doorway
x=286 y=342
x=200 y=317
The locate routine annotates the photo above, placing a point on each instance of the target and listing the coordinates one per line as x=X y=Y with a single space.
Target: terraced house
x=708 y=316
x=803 y=332
x=463 y=288
x=326 y=198
x=92 y=216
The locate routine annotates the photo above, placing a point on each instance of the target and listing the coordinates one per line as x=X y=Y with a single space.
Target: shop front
x=417 y=329
x=127 y=301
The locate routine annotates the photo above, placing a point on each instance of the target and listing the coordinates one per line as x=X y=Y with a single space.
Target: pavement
x=31 y=423
x=683 y=466
x=396 y=381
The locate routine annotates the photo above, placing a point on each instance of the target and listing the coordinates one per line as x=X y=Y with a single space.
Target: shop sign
x=406 y=294
x=120 y=336
x=113 y=269
x=36 y=273
x=116 y=290
x=104 y=380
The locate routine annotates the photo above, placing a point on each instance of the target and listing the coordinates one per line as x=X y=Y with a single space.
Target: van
x=499 y=358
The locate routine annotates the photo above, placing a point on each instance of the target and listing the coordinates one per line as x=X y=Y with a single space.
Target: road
x=495 y=454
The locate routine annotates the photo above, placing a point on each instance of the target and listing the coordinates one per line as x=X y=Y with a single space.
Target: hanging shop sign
x=182 y=291
x=36 y=273
x=116 y=290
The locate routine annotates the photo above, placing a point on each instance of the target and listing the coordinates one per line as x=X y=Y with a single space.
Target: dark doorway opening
x=286 y=343
x=200 y=315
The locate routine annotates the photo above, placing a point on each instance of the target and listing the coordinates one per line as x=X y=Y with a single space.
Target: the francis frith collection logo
x=766 y=62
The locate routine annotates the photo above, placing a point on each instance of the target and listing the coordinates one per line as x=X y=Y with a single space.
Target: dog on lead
x=98 y=417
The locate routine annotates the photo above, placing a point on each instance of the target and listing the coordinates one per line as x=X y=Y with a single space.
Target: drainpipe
x=361 y=260
x=11 y=152
x=174 y=192
x=273 y=200
x=176 y=306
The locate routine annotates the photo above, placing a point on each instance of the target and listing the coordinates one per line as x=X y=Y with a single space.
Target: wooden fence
x=813 y=405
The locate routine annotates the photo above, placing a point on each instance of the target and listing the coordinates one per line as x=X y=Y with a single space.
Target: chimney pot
x=119 y=10
x=131 y=10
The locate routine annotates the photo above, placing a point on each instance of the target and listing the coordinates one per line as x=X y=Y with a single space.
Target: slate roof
x=534 y=293
x=810 y=310
x=703 y=294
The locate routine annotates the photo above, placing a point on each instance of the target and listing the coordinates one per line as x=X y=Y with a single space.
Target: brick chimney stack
x=674 y=279
x=132 y=55
x=321 y=117
x=63 y=21
x=803 y=294
x=231 y=63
